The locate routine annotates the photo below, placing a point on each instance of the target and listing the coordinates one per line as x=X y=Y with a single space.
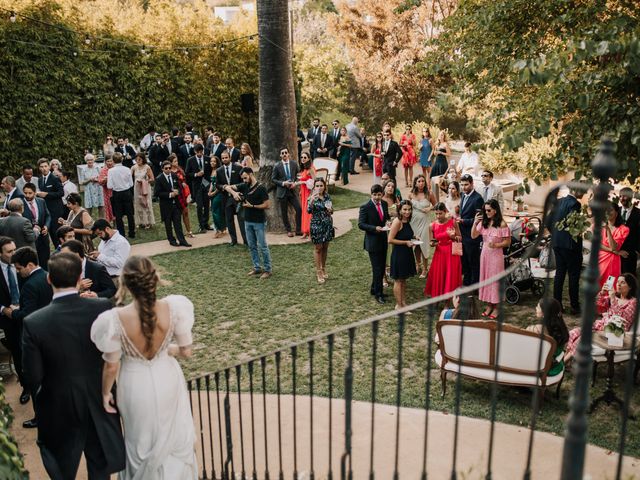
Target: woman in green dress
x=555 y=328
x=216 y=200
x=344 y=154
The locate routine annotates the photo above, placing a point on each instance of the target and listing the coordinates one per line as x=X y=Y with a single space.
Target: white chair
x=328 y=164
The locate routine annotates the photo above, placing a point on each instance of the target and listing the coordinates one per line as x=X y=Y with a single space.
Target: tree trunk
x=277 y=105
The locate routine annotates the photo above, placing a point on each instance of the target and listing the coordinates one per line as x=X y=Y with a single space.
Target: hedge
x=11 y=462
x=57 y=101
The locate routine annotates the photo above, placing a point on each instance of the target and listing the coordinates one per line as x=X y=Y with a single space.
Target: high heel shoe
x=190 y=234
x=320 y=277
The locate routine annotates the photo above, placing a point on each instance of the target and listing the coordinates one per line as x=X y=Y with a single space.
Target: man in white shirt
x=67 y=185
x=469 y=162
x=147 y=140
x=119 y=180
x=489 y=190
x=113 y=249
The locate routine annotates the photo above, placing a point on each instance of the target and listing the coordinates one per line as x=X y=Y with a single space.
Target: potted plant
x=614 y=331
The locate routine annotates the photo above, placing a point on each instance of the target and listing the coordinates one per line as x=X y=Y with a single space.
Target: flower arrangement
x=615 y=325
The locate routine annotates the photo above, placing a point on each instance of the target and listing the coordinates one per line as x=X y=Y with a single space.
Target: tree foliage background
x=60 y=100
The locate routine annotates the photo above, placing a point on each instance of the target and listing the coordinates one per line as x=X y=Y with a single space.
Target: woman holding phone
x=403 y=264
x=320 y=207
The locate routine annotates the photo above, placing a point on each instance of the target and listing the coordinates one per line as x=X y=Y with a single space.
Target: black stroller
x=524 y=232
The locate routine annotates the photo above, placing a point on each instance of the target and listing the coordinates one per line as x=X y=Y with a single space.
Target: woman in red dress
x=305 y=180
x=106 y=192
x=185 y=193
x=613 y=237
x=445 y=273
x=376 y=153
x=408 y=145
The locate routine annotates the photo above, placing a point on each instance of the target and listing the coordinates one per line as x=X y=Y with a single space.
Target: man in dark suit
x=185 y=151
x=314 y=130
x=199 y=172
x=470 y=204
x=284 y=175
x=35 y=293
x=157 y=155
x=335 y=136
x=51 y=191
x=167 y=189
x=391 y=155
x=323 y=143
x=94 y=279
x=567 y=252
x=36 y=211
x=9 y=300
x=64 y=369
x=10 y=189
x=234 y=153
x=17 y=227
x=372 y=219
x=631 y=218
x=217 y=147
x=229 y=174
x=176 y=140
x=127 y=151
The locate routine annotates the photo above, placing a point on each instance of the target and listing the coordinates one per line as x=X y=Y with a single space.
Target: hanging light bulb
x=87 y=40
x=143 y=50
x=12 y=17
x=75 y=54
x=186 y=52
x=222 y=48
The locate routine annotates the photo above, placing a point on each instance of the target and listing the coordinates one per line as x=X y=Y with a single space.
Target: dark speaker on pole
x=248 y=102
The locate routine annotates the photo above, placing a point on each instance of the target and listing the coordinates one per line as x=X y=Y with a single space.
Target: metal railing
x=256 y=429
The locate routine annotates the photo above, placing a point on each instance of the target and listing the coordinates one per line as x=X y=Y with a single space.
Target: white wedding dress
x=152 y=398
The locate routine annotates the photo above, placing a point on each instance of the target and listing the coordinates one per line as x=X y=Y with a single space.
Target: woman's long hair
x=553 y=321
x=631 y=280
x=140 y=278
x=497 y=218
x=414 y=187
x=616 y=208
x=402 y=204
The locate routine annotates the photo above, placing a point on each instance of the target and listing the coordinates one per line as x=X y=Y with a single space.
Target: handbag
x=456 y=249
x=547 y=259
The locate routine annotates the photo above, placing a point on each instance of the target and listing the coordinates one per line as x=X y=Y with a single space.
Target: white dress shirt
x=119 y=178
x=469 y=163
x=113 y=253
x=64 y=293
x=68 y=187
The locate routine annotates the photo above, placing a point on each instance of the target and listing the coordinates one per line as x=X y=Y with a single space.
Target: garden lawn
x=239 y=317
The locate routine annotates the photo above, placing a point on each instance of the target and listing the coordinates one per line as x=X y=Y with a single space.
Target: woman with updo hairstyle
x=139 y=342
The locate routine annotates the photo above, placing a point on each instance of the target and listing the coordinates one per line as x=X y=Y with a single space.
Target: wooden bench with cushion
x=517 y=361
x=328 y=165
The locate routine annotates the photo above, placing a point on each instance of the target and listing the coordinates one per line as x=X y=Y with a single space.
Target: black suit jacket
x=154 y=157
x=473 y=203
x=368 y=220
x=16 y=194
x=632 y=242
x=216 y=151
x=55 y=192
x=328 y=144
x=44 y=217
x=221 y=181
x=128 y=154
x=184 y=153
x=35 y=293
x=161 y=190
x=560 y=238
x=235 y=155
x=311 y=134
x=392 y=156
x=64 y=369
x=193 y=168
x=102 y=284
x=279 y=176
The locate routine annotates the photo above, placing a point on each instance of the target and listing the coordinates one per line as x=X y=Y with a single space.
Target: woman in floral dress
x=142 y=193
x=320 y=207
x=93 y=195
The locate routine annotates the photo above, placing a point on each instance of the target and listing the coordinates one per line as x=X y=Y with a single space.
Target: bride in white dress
x=151 y=394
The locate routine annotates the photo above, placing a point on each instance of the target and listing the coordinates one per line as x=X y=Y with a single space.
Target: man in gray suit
x=17 y=227
x=489 y=190
x=285 y=175
x=353 y=130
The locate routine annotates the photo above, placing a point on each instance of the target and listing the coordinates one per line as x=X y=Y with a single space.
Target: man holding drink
x=167 y=189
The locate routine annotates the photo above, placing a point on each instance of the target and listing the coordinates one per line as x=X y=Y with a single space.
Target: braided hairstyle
x=140 y=278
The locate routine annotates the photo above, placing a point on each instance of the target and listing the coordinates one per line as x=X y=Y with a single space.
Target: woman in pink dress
x=106 y=192
x=495 y=236
x=614 y=235
x=445 y=273
x=408 y=145
x=620 y=301
x=306 y=185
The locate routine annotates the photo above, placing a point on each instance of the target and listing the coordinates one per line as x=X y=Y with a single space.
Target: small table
x=609 y=396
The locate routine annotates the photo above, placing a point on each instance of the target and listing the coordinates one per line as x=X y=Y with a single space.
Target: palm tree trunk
x=277 y=105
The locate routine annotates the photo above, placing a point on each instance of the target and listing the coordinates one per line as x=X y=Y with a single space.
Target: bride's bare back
x=130 y=320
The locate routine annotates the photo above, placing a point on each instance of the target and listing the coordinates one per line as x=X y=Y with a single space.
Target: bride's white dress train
x=152 y=398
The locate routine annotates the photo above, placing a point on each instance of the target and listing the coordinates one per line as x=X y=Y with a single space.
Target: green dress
x=216 y=208
x=344 y=157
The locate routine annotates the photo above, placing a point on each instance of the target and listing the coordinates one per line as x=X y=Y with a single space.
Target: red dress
x=106 y=194
x=610 y=263
x=445 y=272
x=305 y=191
x=184 y=191
x=408 y=153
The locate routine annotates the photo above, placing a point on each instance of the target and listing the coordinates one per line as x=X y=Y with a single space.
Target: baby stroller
x=524 y=232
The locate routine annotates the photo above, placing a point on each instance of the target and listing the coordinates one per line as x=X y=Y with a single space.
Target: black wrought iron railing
x=323 y=406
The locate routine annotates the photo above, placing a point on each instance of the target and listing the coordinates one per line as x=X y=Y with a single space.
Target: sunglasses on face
x=484 y=175
x=488 y=210
x=166 y=168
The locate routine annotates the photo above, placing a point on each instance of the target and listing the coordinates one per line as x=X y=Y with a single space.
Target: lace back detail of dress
x=130 y=350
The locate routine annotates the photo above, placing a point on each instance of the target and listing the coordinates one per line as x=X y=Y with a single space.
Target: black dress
x=441 y=164
x=403 y=263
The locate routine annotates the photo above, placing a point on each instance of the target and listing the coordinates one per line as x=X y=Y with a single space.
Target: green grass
x=240 y=317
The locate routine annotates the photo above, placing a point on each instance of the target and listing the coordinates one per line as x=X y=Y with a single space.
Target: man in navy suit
x=631 y=218
x=217 y=147
x=51 y=191
x=167 y=189
x=567 y=251
x=372 y=219
x=11 y=191
x=234 y=153
x=95 y=281
x=323 y=143
x=199 y=174
x=229 y=174
x=36 y=211
x=470 y=204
